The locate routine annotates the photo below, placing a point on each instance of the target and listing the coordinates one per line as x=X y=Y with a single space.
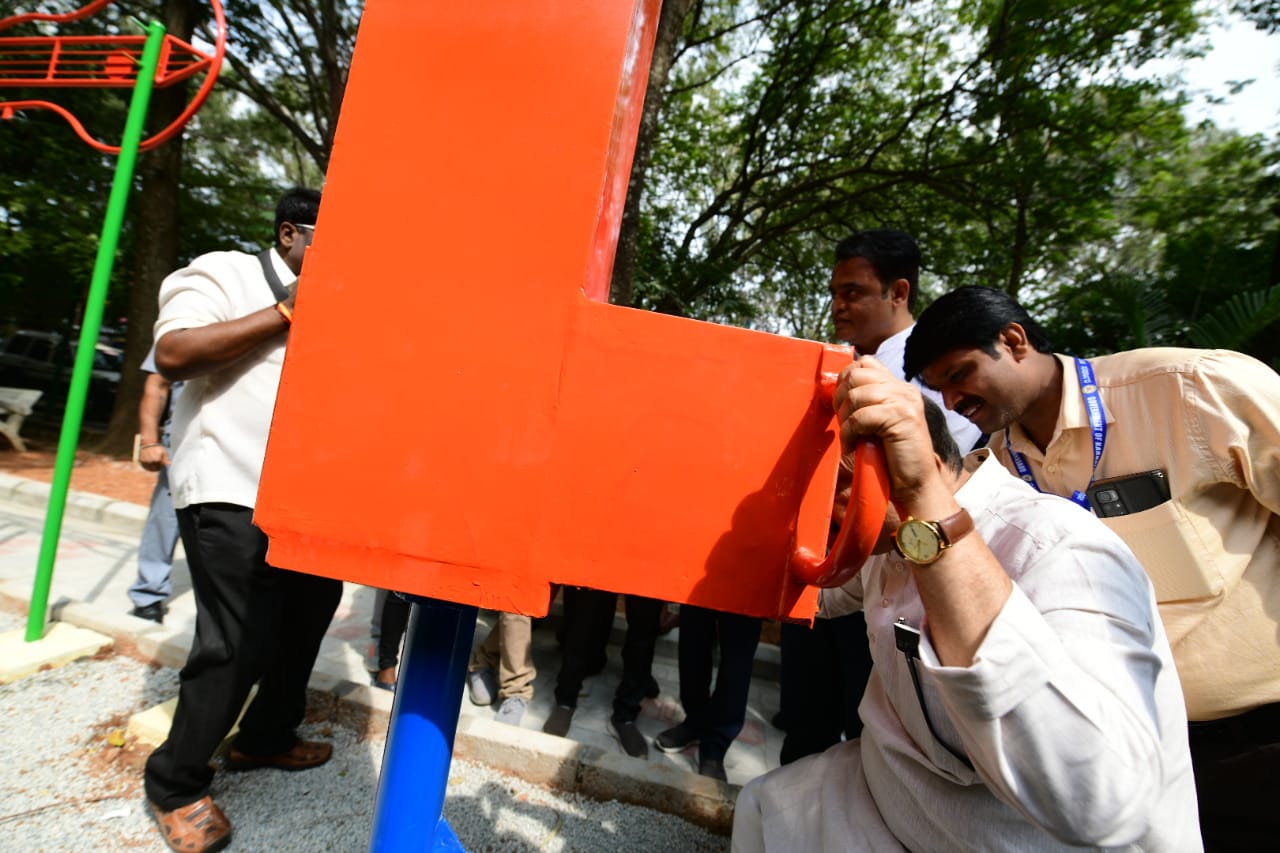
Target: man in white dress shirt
x=874 y=291
x=824 y=668
x=1024 y=695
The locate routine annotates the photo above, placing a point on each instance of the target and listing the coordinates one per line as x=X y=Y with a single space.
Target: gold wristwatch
x=922 y=542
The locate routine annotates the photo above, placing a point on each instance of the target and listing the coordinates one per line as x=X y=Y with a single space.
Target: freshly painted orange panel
x=461 y=416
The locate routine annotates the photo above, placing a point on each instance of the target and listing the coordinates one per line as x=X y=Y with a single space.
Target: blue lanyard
x=1097 y=424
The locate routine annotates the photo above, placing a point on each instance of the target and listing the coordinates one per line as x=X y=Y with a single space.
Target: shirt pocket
x=1165 y=540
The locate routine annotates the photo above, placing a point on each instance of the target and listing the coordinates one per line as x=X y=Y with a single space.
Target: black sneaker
x=153 y=612
x=712 y=768
x=633 y=743
x=558 y=723
x=676 y=739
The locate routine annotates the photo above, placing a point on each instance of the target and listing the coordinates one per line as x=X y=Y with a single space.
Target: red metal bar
x=93 y=61
x=101 y=68
x=82 y=12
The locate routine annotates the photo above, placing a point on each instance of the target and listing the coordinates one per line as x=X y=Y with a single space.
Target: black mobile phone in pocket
x=1127 y=495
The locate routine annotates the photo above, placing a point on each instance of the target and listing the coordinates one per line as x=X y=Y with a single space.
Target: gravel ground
x=66 y=787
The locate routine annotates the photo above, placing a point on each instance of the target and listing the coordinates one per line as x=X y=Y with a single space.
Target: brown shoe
x=198 y=827
x=303 y=755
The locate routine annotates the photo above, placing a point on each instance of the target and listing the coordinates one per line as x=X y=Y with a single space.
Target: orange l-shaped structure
x=462 y=415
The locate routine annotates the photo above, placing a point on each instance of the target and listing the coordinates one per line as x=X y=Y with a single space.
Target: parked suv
x=44 y=360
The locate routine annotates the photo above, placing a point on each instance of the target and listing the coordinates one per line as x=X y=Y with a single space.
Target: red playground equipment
x=515 y=431
x=101 y=62
x=526 y=432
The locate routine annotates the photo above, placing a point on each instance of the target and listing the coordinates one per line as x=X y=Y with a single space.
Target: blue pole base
x=446 y=841
x=424 y=721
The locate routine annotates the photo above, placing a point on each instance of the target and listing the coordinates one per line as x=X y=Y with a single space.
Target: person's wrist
x=929 y=501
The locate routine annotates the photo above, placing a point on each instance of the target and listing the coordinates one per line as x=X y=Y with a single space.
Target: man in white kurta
x=1042 y=664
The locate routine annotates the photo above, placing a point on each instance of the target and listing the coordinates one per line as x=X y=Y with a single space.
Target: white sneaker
x=482 y=687
x=511 y=711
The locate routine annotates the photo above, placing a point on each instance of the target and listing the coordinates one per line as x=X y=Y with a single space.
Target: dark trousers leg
x=694 y=655
x=394 y=620
x=824 y=673
x=231 y=582
x=637 y=656
x=305 y=607
x=588 y=619
x=1237 y=770
x=854 y=652
x=809 y=693
x=718 y=718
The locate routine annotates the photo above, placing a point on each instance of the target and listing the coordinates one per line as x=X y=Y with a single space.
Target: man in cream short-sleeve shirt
x=1209 y=422
x=223 y=325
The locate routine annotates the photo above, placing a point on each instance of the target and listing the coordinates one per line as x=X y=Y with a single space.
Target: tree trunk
x=157 y=229
x=670 y=25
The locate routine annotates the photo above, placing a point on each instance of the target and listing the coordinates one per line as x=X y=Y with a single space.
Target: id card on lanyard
x=1097 y=425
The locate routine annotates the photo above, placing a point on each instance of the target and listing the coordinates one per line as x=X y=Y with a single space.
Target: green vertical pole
x=89 y=327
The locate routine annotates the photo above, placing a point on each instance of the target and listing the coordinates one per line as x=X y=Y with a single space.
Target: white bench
x=15 y=405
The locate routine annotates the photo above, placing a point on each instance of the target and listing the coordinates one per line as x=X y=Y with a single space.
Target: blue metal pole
x=424 y=720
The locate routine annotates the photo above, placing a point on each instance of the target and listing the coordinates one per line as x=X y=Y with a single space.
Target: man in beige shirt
x=1210 y=421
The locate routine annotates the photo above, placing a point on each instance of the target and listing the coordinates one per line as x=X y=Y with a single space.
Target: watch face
x=918 y=541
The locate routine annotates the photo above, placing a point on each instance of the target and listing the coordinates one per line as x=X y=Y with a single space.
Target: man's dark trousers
x=254 y=623
x=1236 y=761
x=716 y=715
x=588 y=620
x=824 y=673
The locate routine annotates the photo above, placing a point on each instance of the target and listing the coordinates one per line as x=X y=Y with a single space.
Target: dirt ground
x=92 y=472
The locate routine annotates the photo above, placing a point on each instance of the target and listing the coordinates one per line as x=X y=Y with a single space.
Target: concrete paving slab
x=61 y=644
x=151 y=725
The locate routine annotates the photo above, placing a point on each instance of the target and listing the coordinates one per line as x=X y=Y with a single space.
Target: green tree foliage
x=232 y=176
x=990 y=130
x=291 y=57
x=53 y=194
x=1265 y=14
x=1193 y=260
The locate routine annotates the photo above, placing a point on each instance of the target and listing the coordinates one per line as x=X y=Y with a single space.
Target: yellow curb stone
x=61 y=644
x=151 y=726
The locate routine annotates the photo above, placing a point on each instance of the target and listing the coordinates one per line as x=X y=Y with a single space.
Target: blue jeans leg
x=717 y=713
x=155 y=550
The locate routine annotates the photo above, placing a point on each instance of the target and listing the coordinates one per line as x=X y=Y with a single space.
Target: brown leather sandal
x=198 y=827
x=303 y=755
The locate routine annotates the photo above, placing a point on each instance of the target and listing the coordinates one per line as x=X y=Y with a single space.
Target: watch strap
x=955 y=527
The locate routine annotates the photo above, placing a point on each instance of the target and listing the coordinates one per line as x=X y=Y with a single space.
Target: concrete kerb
x=118 y=515
x=596 y=773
